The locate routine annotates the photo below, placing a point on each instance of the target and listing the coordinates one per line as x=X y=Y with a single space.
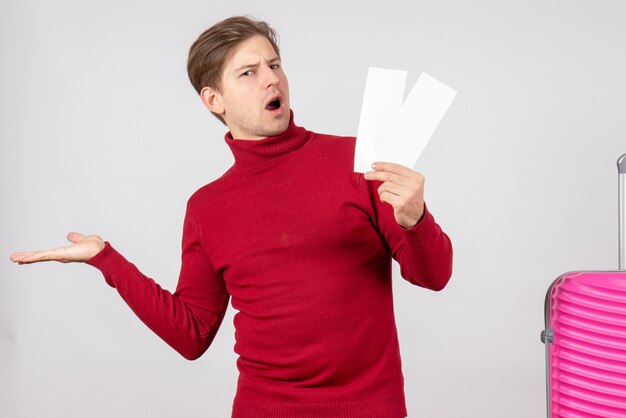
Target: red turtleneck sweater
x=302 y=246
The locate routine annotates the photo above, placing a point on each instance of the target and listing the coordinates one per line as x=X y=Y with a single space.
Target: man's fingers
x=82 y=248
x=394 y=168
x=386 y=176
x=45 y=256
x=36 y=256
x=398 y=170
x=15 y=257
x=27 y=257
x=392 y=188
x=22 y=255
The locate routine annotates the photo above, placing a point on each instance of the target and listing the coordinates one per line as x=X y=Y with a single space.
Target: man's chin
x=263 y=128
x=279 y=126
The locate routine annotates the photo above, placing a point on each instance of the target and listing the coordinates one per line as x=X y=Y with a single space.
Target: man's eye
x=249 y=72
x=275 y=66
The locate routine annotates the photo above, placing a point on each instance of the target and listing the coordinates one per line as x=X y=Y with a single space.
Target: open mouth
x=274 y=104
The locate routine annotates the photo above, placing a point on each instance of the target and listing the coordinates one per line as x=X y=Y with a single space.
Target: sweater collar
x=250 y=152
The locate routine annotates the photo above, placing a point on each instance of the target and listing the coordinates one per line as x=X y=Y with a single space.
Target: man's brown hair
x=213 y=47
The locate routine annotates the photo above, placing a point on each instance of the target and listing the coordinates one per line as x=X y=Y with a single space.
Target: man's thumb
x=74 y=237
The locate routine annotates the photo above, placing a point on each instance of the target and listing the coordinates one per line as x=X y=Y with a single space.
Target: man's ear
x=212 y=99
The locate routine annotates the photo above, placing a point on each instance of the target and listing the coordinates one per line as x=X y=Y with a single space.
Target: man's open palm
x=82 y=249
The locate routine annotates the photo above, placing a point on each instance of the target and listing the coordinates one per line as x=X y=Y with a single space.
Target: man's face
x=254 y=101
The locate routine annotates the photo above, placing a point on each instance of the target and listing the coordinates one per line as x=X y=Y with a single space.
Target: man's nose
x=270 y=78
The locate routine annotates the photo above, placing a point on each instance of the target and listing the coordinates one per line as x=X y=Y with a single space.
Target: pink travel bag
x=585 y=336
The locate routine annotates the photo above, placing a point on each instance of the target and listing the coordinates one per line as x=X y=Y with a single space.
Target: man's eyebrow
x=256 y=64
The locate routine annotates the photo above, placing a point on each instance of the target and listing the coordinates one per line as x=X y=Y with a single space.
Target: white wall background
x=101 y=132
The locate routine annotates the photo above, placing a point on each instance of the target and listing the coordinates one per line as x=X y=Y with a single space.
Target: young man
x=299 y=241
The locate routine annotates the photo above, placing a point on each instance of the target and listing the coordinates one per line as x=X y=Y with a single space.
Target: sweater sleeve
x=424 y=252
x=187 y=319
